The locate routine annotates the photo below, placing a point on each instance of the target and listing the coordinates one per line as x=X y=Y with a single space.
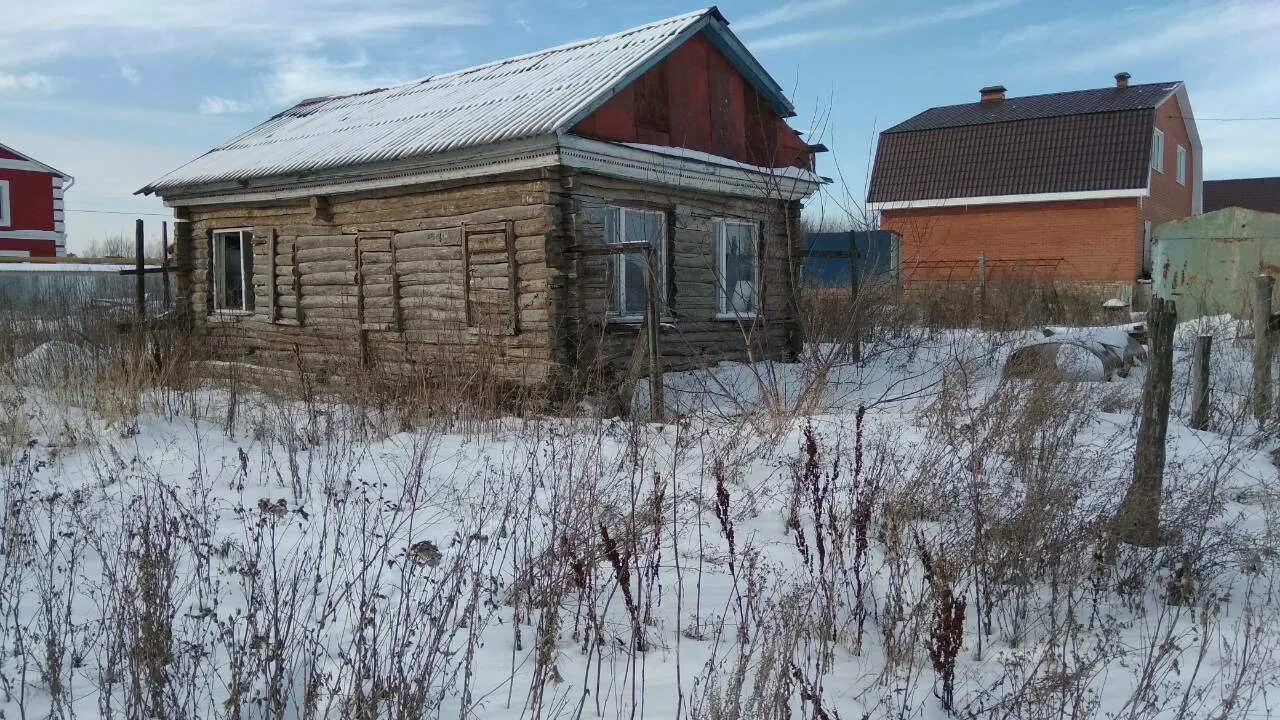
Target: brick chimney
x=993 y=93
x=1122 y=79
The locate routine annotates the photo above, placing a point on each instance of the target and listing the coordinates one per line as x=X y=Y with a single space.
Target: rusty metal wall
x=1207 y=263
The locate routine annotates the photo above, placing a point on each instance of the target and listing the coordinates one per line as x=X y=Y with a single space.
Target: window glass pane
x=232 y=276
x=247 y=279
x=645 y=227
x=627 y=272
x=633 y=277
x=739 y=268
x=611 y=220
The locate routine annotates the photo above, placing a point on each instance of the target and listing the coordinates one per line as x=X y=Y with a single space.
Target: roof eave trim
x=511 y=156
x=596 y=156
x=37 y=165
x=723 y=38
x=1009 y=199
x=631 y=163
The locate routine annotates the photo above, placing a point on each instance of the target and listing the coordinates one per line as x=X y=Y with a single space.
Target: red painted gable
x=34 y=221
x=696 y=99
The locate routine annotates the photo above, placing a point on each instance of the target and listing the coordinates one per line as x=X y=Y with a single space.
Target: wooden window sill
x=228 y=316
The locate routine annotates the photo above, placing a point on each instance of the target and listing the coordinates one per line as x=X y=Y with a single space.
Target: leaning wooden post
x=853 y=296
x=164 y=263
x=1261 y=394
x=652 y=324
x=1138 y=522
x=1200 y=382
x=140 y=279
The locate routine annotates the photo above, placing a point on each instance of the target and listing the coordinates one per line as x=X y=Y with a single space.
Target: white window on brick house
x=6 y=214
x=1157 y=150
x=627 y=298
x=737 y=268
x=232 y=255
x=1182 y=165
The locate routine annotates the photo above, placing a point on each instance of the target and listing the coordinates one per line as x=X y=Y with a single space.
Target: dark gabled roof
x=1033 y=107
x=1251 y=193
x=1087 y=140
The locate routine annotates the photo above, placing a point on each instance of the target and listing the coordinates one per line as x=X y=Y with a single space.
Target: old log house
x=443 y=221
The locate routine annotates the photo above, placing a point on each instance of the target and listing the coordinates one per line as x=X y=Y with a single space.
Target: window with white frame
x=1182 y=165
x=1157 y=150
x=627 y=296
x=6 y=215
x=737 y=268
x=232 y=253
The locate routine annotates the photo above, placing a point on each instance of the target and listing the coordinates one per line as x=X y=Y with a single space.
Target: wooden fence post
x=140 y=266
x=164 y=264
x=1200 y=382
x=982 y=277
x=1138 y=522
x=652 y=323
x=1261 y=391
x=853 y=296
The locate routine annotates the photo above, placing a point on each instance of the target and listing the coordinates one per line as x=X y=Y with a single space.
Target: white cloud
x=214 y=105
x=867 y=31
x=1230 y=94
x=130 y=74
x=94 y=28
x=299 y=77
x=788 y=12
x=31 y=81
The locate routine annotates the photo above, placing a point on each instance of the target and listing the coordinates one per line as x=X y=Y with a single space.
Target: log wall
x=481 y=277
x=692 y=336
x=432 y=279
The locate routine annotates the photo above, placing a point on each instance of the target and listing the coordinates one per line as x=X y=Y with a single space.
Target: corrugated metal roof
x=1096 y=151
x=527 y=96
x=1079 y=141
x=1031 y=107
x=1252 y=193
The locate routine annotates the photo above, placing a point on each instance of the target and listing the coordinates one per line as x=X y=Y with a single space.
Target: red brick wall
x=1095 y=238
x=1169 y=200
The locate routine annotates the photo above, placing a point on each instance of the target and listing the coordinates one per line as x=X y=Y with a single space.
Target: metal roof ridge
x=572 y=45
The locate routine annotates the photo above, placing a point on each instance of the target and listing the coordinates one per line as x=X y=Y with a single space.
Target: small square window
x=6 y=214
x=1182 y=165
x=232 y=255
x=737 y=268
x=1157 y=150
x=627 y=297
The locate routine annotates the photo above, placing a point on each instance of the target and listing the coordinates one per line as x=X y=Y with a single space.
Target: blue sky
x=117 y=92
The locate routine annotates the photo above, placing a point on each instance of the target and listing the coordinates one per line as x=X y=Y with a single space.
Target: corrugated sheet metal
x=1031 y=107
x=1073 y=153
x=827 y=264
x=1252 y=193
x=521 y=97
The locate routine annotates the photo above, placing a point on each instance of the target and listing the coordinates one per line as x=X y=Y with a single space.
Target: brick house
x=1065 y=185
x=31 y=213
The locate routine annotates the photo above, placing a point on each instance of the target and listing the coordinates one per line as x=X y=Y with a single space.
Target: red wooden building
x=31 y=211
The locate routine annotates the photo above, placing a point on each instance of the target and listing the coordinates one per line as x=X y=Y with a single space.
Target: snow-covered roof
x=533 y=95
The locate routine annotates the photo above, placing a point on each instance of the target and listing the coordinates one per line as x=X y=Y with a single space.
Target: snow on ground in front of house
x=311 y=558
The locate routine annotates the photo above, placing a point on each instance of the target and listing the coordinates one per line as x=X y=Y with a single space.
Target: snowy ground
x=774 y=552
